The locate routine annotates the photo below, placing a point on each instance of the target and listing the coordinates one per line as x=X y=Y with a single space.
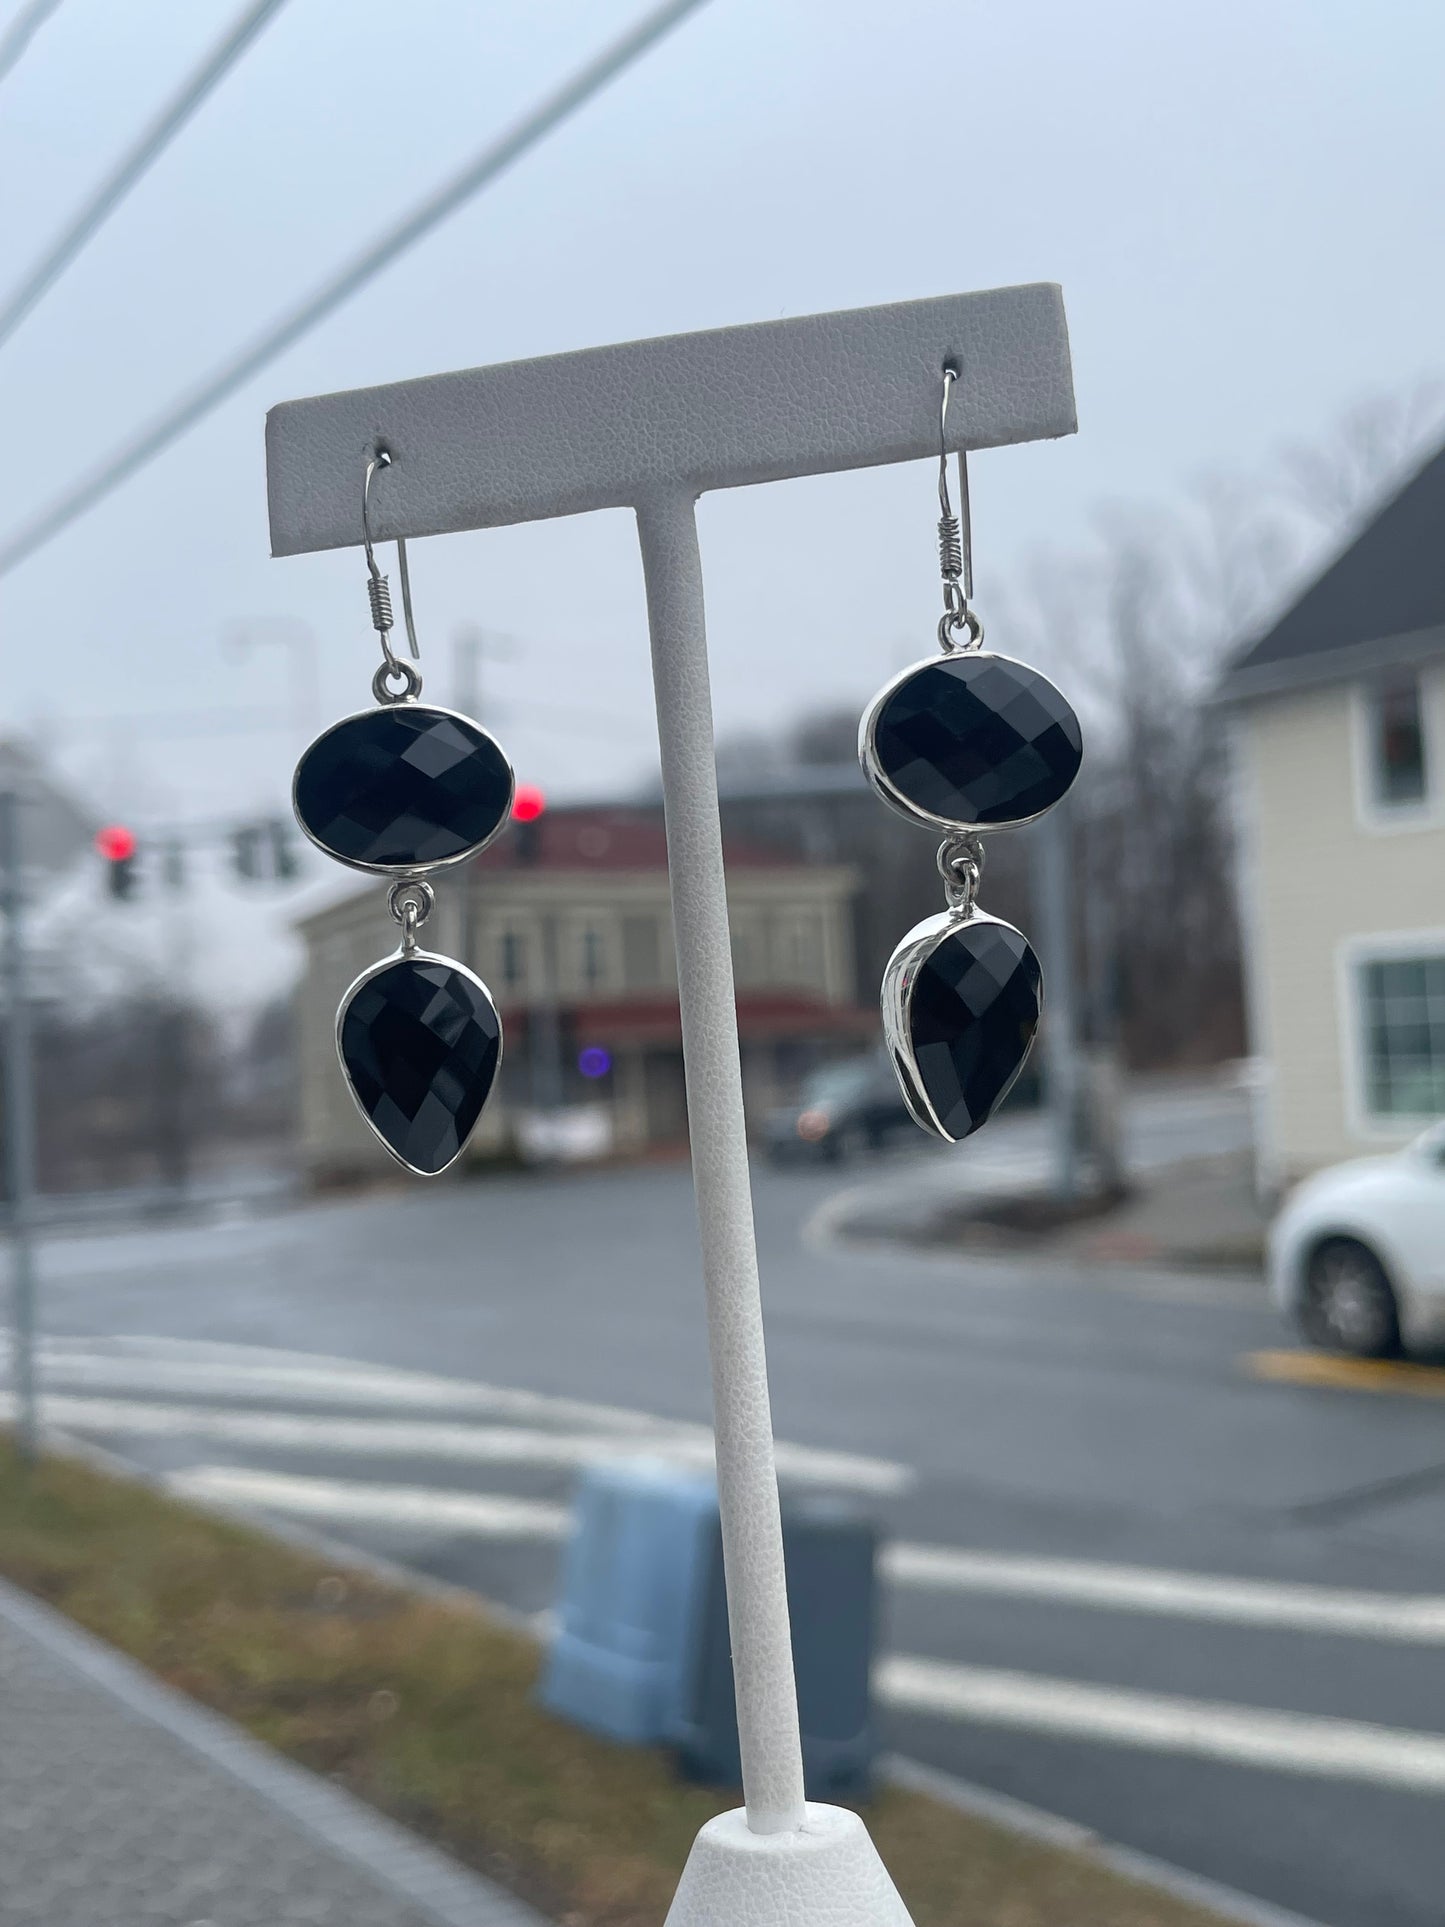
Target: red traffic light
x=115 y=842
x=528 y=803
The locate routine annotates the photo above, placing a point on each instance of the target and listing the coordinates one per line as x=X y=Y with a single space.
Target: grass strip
x=426 y=1711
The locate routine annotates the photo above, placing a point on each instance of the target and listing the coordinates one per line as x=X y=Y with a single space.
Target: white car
x=1357 y=1255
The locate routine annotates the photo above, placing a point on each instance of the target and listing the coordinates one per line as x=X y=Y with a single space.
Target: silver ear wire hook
x=955 y=539
x=377 y=588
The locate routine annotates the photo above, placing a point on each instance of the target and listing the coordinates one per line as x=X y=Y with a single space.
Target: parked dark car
x=844 y=1110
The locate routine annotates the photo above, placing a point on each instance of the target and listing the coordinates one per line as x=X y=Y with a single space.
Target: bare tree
x=1337 y=482
x=1137 y=629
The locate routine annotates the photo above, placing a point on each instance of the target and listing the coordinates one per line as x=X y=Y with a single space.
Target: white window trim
x=1388 y=819
x=1351 y=953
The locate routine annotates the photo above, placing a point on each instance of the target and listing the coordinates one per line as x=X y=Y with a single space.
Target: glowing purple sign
x=594 y=1061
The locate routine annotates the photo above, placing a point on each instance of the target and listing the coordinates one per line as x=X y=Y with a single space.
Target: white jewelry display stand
x=651 y=425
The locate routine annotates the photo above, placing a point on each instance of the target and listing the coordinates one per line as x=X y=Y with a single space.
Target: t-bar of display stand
x=651 y=425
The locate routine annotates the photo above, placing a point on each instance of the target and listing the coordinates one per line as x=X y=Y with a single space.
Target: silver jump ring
x=411 y=901
x=958 y=616
x=381 y=682
x=960 y=864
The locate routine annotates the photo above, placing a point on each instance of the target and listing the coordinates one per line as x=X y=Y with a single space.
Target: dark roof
x=1390 y=582
x=608 y=839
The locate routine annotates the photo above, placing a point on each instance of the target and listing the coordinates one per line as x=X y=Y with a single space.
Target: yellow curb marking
x=1350 y=1374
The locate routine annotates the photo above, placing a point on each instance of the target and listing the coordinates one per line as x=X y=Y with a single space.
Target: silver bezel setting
x=414 y=955
x=878 y=776
x=408 y=869
x=899 y=979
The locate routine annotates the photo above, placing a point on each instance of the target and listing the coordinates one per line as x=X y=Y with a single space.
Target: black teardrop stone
x=972 y=1015
x=403 y=788
x=420 y=1041
x=977 y=739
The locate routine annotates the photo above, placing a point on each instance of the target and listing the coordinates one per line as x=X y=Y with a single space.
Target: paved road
x=1129 y=1581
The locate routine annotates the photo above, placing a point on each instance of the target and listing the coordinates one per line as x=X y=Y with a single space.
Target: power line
x=22 y=30
x=453 y=194
x=152 y=143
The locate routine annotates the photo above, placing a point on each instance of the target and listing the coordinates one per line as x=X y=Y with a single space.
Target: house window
x=1403 y=1027
x=594 y=962
x=1398 y=773
x=514 y=959
x=797 y=950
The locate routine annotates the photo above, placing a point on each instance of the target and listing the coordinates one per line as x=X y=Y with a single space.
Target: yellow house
x=1337 y=721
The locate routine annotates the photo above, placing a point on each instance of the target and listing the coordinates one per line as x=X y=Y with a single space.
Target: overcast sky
x=1241 y=200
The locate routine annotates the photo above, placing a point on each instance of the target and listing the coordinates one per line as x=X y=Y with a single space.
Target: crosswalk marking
x=366 y=1437
x=495 y=1445
x=483 y=1514
x=431 y=1438
x=613 y=1431
x=321 y=1383
x=246 y=1401
x=1417 y=1619
x=1240 y=1735
x=1404 y=1618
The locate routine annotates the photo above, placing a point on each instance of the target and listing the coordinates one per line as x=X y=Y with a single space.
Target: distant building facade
x=568 y=922
x=1338 y=730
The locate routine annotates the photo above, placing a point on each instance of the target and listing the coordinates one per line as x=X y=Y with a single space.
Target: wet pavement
x=1129 y=1580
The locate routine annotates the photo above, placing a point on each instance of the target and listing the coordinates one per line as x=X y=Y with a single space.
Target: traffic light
x=528 y=808
x=117 y=845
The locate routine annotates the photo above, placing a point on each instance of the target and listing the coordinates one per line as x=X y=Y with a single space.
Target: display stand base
x=825 y=1874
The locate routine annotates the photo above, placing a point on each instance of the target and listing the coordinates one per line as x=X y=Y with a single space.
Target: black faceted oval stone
x=977 y=739
x=972 y=1014
x=420 y=1040
x=403 y=788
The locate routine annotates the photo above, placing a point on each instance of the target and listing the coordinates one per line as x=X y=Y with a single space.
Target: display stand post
x=752 y=1529
x=650 y=426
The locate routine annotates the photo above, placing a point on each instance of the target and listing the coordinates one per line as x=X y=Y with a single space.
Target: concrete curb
x=425 y=1879
x=1049 y=1829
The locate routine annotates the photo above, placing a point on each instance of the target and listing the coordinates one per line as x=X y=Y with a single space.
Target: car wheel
x=1349 y=1305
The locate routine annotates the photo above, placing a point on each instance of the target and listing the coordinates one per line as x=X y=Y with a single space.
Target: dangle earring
x=402 y=791
x=962 y=743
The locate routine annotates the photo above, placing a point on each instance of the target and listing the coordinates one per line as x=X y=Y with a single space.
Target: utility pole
x=19 y=1123
x=1054 y=890
x=298 y=639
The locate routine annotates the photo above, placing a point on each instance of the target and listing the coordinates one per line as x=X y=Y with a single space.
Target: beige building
x=1338 y=729
x=567 y=921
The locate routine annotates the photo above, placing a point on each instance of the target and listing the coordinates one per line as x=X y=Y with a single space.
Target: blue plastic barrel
x=641 y=1534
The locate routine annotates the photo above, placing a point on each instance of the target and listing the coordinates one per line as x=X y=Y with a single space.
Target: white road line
x=482 y=1515
x=1242 y=1735
x=433 y=1438
x=323 y=1382
x=1413 y=1619
x=328 y=1381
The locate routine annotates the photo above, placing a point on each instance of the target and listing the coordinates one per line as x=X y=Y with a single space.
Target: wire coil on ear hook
x=955 y=540
x=378 y=591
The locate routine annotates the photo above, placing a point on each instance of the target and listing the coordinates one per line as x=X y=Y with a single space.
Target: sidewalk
x=1190 y=1202
x=123 y=1804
